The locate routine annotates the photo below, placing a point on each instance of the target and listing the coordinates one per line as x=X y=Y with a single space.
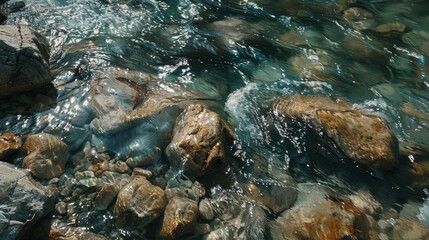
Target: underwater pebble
x=142 y=172
x=205 y=210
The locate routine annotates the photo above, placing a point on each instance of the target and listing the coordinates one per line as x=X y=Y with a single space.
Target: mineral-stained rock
x=318 y=215
x=9 y=144
x=200 y=141
x=46 y=155
x=138 y=203
x=362 y=137
x=24 y=203
x=24 y=60
x=180 y=218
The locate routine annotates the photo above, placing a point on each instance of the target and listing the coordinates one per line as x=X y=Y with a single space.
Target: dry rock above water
x=200 y=141
x=45 y=155
x=24 y=60
x=362 y=137
x=139 y=203
x=24 y=203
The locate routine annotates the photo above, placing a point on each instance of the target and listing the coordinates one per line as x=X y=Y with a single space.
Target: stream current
x=243 y=55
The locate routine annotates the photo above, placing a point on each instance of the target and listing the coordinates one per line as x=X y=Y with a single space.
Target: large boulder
x=24 y=60
x=361 y=136
x=9 y=144
x=46 y=155
x=200 y=141
x=24 y=203
x=180 y=218
x=139 y=203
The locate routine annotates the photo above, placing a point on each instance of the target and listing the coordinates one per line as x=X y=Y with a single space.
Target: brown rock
x=9 y=144
x=364 y=138
x=324 y=217
x=46 y=155
x=180 y=218
x=138 y=203
x=73 y=233
x=199 y=142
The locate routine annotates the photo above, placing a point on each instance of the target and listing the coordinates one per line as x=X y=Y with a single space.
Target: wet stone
x=205 y=210
x=45 y=155
x=24 y=204
x=61 y=208
x=142 y=172
x=200 y=141
x=180 y=218
x=273 y=194
x=73 y=233
x=320 y=216
x=24 y=61
x=362 y=136
x=175 y=192
x=9 y=144
x=139 y=203
x=105 y=196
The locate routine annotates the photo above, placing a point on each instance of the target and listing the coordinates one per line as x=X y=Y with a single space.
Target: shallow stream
x=240 y=56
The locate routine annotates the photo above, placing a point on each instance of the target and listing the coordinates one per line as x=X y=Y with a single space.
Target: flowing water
x=243 y=55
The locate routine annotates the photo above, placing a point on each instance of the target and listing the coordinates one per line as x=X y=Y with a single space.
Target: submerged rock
x=200 y=141
x=9 y=144
x=275 y=195
x=180 y=218
x=319 y=215
x=73 y=233
x=45 y=155
x=24 y=204
x=24 y=60
x=139 y=203
x=362 y=137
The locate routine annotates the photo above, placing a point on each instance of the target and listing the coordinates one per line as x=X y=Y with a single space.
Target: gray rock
x=24 y=60
x=205 y=209
x=200 y=141
x=139 y=203
x=24 y=203
x=46 y=155
x=9 y=144
x=273 y=194
x=105 y=196
x=361 y=136
x=180 y=218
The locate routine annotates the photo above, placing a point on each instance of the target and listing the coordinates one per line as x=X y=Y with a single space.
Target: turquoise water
x=242 y=55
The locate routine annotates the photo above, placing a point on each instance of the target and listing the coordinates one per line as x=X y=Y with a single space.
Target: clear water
x=245 y=54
